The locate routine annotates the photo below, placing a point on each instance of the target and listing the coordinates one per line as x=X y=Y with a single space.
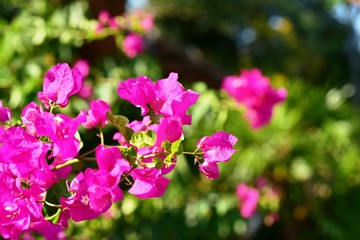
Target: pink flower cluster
x=133 y=26
x=253 y=90
x=106 y=20
x=86 y=89
x=5 y=113
x=36 y=157
x=249 y=198
x=263 y=195
x=133 y=45
x=140 y=19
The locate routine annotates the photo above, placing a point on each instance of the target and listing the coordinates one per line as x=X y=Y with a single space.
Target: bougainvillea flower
x=111 y=160
x=215 y=148
x=258 y=116
x=19 y=146
x=218 y=147
x=166 y=97
x=18 y=208
x=138 y=91
x=169 y=129
x=97 y=114
x=253 y=90
x=28 y=116
x=210 y=170
x=61 y=130
x=103 y=183
x=25 y=157
x=148 y=183
x=189 y=98
x=59 y=84
x=249 y=198
x=133 y=45
x=173 y=100
x=5 y=113
x=77 y=206
x=102 y=188
x=48 y=230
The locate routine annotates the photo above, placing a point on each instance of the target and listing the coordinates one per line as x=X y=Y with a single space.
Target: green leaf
x=127 y=133
x=55 y=217
x=158 y=162
x=6 y=48
x=174 y=148
x=153 y=117
x=166 y=145
x=143 y=138
x=177 y=147
x=168 y=160
x=129 y=154
x=120 y=123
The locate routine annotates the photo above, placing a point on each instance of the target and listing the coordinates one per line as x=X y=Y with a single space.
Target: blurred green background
x=309 y=152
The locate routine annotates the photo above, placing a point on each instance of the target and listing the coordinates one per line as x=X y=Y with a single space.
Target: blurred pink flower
x=86 y=89
x=133 y=45
x=254 y=91
x=139 y=18
x=261 y=182
x=249 y=198
x=83 y=66
x=147 y=23
x=110 y=213
x=105 y=19
x=5 y=113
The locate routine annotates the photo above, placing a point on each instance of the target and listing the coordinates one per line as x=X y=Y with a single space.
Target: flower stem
x=52 y=107
x=101 y=136
x=87 y=153
x=52 y=205
x=72 y=161
x=89 y=159
x=125 y=176
x=193 y=153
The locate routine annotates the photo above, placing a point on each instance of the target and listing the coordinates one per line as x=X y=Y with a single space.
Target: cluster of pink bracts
x=133 y=43
x=36 y=156
x=253 y=91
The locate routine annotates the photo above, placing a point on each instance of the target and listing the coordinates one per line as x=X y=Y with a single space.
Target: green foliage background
x=309 y=152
